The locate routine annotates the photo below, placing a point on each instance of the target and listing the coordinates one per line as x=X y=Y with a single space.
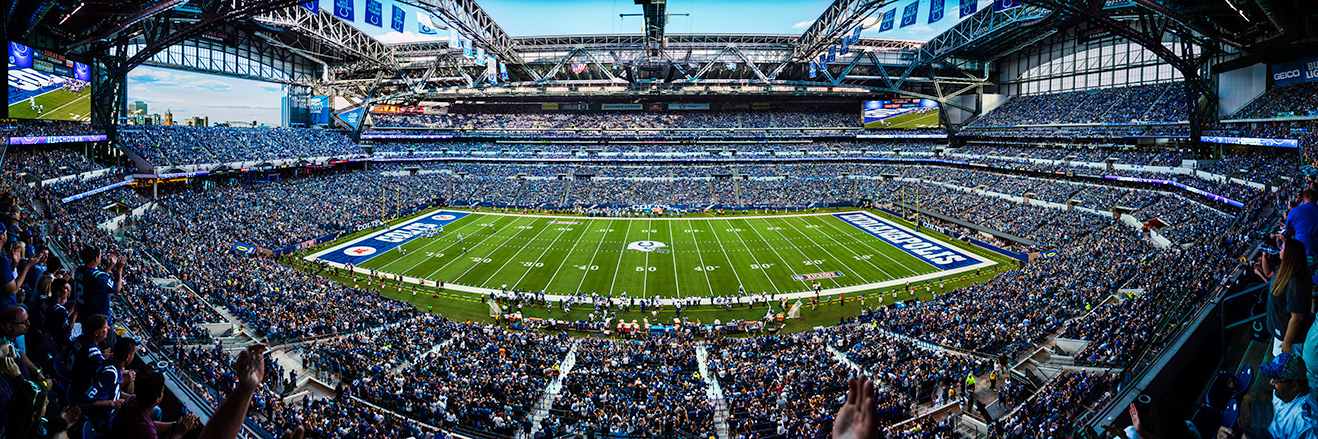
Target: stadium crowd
x=402 y=372
x=173 y=145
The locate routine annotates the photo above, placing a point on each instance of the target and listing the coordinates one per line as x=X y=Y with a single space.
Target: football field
x=645 y=257
x=58 y=104
x=909 y=120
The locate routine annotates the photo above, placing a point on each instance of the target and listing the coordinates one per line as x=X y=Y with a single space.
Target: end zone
x=362 y=249
x=936 y=253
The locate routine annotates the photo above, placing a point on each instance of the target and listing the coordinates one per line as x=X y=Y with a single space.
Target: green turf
x=709 y=256
x=59 y=104
x=469 y=307
x=909 y=120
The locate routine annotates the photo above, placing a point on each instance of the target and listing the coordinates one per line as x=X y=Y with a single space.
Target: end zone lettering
x=406 y=232
x=934 y=254
x=365 y=248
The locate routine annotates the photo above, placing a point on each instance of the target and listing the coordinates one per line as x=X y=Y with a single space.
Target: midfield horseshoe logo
x=646 y=246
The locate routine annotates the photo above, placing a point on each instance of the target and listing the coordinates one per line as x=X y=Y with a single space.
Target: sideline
x=805 y=294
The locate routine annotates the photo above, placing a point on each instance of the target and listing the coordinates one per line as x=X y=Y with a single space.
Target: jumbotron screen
x=45 y=85
x=901 y=113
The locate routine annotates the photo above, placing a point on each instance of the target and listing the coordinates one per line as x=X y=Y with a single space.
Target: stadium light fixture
x=75 y=11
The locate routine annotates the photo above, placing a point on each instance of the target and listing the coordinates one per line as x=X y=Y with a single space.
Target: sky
x=573 y=17
x=223 y=99
x=188 y=94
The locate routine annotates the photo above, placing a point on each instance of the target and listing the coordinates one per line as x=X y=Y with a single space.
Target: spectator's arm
x=228 y=418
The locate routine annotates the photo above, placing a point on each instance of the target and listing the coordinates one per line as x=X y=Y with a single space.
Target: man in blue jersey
x=105 y=395
x=92 y=287
x=86 y=357
x=1295 y=408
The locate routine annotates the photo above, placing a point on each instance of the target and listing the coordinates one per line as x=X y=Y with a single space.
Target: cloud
x=209 y=84
x=920 y=28
x=408 y=37
x=153 y=76
x=277 y=88
x=803 y=24
x=242 y=107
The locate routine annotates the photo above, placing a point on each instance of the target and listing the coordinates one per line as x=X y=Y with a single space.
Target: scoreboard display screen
x=46 y=85
x=901 y=113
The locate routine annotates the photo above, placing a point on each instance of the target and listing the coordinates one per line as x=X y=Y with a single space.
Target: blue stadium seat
x=1206 y=420
x=1230 y=414
x=1243 y=382
x=1221 y=391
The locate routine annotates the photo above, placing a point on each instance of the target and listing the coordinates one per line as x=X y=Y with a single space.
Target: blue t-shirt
x=104 y=387
x=1302 y=221
x=6 y=270
x=92 y=289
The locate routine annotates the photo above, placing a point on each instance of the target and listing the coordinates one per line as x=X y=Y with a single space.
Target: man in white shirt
x=1295 y=408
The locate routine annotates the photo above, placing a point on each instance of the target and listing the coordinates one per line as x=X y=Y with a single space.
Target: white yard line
x=853 y=252
x=478 y=244
x=867 y=244
x=542 y=253
x=592 y=257
x=701 y=256
x=798 y=250
x=565 y=257
x=510 y=258
x=753 y=257
x=676 y=280
x=621 y=252
x=983 y=263
x=423 y=247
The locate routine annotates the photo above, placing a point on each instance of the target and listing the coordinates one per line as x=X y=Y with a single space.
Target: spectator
x=135 y=418
x=92 y=287
x=1293 y=403
x=1289 y=310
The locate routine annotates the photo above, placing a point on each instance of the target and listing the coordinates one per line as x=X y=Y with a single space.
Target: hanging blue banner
x=374 y=13
x=313 y=6
x=936 y=8
x=424 y=24
x=814 y=69
x=968 y=7
x=343 y=9
x=503 y=71
x=908 y=15
x=888 y=18
x=399 y=16
x=1002 y=5
x=855 y=35
x=845 y=47
x=832 y=54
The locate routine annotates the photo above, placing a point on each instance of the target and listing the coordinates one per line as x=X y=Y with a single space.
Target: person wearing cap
x=1295 y=410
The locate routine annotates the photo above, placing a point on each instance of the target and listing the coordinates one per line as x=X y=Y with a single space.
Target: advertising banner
x=1294 y=72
